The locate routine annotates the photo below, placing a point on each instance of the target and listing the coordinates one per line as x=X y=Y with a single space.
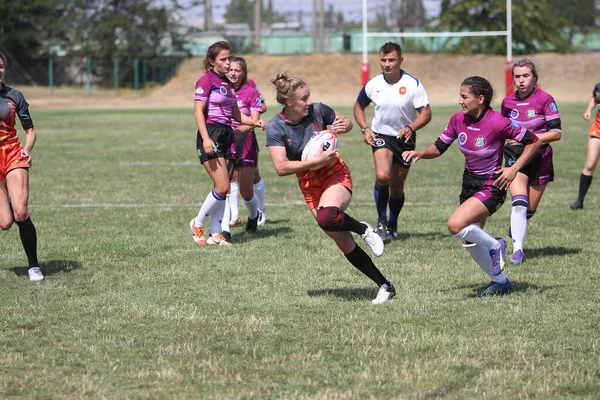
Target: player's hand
x=260 y=124
x=586 y=115
x=324 y=158
x=369 y=137
x=412 y=156
x=341 y=125
x=507 y=175
x=405 y=134
x=209 y=147
x=26 y=157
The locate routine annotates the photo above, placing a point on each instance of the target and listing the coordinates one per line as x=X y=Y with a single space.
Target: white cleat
x=262 y=218
x=35 y=274
x=385 y=293
x=373 y=240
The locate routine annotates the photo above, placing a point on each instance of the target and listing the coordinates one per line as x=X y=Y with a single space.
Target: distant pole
x=136 y=75
x=322 y=26
x=508 y=64
x=313 y=28
x=208 y=20
x=144 y=72
x=365 y=64
x=116 y=72
x=89 y=76
x=257 y=25
x=51 y=75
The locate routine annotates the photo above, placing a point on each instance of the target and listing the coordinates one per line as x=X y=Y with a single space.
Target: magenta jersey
x=218 y=94
x=248 y=101
x=532 y=112
x=482 y=141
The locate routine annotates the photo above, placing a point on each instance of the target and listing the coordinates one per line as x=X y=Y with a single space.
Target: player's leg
x=585 y=179
x=259 y=191
x=245 y=180
x=6 y=213
x=396 y=201
x=518 y=216
x=17 y=183
x=382 y=157
x=234 y=219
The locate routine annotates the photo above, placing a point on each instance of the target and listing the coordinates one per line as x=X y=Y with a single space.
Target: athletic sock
x=252 y=206
x=364 y=264
x=211 y=202
x=29 y=239
x=518 y=221
x=226 y=216
x=259 y=191
x=382 y=195
x=475 y=234
x=216 y=218
x=234 y=191
x=584 y=184
x=481 y=255
x=395 y=208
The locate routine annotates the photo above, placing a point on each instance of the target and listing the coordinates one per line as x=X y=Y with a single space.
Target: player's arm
x=588 y=110
x=247 y=128
x=361 y=120
x=423 y=118
x=554 y=132
x=508 y=174
x=207 y=143
x=244 y=119
x=341 y=124
x=283 y=166
x=434 y=150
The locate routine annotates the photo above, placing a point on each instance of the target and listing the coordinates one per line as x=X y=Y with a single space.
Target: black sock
x=29 y=240
x=584 y=184
x=352 y=225
x=364 y=264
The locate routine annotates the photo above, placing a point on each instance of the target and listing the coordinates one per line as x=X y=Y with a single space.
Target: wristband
x=412 y=131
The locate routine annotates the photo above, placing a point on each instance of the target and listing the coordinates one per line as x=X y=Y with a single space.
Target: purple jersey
x=482 y=140
x=218 y=94
x=532 y=112
x=248 y=101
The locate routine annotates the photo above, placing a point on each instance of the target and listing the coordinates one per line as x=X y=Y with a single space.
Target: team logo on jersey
x=514 y=125
x=480 y=142
x=223 y=90
x=553 y=107
x=514 y=114
x=240 y=103
x=288 y=141
x=199 y=91
x=511 y=161
x=379 y=142
x=402 y=90
x=531 y=113
x=462 y=138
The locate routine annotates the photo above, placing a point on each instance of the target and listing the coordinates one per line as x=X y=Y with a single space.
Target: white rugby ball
x=324 y=140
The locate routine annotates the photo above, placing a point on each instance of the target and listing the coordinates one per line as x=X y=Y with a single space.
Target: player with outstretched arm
x=325 y=180
x=481 y=133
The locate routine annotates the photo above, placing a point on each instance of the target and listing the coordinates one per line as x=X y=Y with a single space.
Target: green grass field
x=132 y=308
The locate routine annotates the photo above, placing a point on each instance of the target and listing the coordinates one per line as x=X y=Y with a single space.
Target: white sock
x=252 y=206
x=259 y=192
x=226 y=216
x=210 y=204
x=234 y=191
x=215 y=219
x=518 y=226
x=475 y=234
x=481 y=255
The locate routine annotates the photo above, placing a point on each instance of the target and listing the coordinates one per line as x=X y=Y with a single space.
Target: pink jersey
x=482 y=141
x=218 y=94
x=248 y=101
x=532 y=112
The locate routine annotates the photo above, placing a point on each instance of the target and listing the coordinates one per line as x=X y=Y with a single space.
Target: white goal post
x=508 y=33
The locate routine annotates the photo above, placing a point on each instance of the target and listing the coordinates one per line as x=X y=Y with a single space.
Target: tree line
x=108 y=30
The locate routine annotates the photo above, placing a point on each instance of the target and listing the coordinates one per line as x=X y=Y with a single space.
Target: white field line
x=175 y=205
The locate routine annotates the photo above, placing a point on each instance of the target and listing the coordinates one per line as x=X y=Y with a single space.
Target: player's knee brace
x=330 y=219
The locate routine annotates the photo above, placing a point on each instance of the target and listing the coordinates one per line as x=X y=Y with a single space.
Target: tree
x=537 y=25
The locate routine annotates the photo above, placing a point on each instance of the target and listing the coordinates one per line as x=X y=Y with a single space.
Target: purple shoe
x=498 y=257
x=517 y=257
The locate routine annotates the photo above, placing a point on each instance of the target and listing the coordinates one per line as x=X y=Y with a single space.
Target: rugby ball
x=321 y=141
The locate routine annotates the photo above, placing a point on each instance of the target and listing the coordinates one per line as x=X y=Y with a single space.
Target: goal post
x=365 y=73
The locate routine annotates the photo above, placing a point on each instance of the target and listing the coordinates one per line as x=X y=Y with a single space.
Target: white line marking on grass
x=175 y=205
x=152 y=163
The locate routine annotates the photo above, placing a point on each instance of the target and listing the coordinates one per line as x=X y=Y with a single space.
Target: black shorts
x=222 y=136
x=483 y=189
x=396 y=146
x=540 y=170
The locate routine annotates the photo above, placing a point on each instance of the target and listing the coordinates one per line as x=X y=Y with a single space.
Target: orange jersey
x=595 y=128
x=12 y=105
x=314 y=183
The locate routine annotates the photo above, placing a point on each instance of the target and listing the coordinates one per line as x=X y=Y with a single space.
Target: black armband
x=529 y=138
x=412 y=131
x=26 y=121
x=441 y=146
x=553 y=124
